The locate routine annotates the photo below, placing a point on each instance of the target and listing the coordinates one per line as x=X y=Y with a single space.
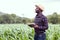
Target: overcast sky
x=26 y=7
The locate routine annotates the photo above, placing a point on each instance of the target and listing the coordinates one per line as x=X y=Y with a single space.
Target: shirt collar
x=39 y=15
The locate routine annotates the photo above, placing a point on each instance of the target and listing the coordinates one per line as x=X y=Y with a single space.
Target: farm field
x=24 y=32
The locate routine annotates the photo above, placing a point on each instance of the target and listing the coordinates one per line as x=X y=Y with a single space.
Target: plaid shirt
x=42 y=22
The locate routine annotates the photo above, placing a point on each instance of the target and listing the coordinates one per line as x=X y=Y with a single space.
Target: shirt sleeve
x=44 y=24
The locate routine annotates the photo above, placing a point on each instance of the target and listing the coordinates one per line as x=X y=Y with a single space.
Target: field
x=24 y=32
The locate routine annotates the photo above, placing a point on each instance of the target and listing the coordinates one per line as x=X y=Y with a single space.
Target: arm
x=44 y=25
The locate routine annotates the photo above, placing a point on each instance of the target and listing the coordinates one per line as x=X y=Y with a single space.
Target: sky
x=26 y=8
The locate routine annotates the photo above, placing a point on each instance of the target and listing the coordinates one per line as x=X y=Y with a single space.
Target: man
x=40 y=24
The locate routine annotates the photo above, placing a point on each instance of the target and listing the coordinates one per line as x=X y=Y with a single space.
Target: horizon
x=26 y=8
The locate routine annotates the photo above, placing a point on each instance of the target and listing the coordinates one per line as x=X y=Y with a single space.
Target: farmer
x=40 y=24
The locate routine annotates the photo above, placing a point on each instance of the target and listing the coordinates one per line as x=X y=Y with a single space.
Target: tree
x=1 y=19
x=53 y=18
x=12 y=18
x=7 y=18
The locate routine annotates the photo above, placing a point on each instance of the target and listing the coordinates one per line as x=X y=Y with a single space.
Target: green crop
x=24 y=32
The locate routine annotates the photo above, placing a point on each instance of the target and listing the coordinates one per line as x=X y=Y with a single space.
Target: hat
x=40 y=7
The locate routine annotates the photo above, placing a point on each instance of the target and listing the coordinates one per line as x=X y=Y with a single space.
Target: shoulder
x=44 y=17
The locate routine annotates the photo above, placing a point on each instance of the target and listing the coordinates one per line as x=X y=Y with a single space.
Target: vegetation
x=16 y=32
x=10 y=29
x=24 y=32
x=12 y=18
x=54 y=18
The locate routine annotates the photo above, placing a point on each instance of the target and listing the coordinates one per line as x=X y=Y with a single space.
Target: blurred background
x=15 y=14
x=19 y=11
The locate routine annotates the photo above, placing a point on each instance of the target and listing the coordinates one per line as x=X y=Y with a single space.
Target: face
x=37 y=10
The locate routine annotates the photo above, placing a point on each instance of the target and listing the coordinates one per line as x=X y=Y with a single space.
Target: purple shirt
x=42 y=22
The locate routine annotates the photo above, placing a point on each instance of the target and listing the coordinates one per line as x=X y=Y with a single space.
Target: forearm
x=42 y=27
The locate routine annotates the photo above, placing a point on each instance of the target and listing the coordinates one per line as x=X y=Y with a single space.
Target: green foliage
x=15 y=32
x=53 y=33
x=54 y=18
x=12 y=18
x=24 y=32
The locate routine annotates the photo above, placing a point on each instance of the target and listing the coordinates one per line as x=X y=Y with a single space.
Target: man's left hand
x=36 y=26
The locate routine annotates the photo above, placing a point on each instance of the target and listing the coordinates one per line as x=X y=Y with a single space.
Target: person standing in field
x=41 y=24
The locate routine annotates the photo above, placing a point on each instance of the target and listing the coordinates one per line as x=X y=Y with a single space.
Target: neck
x=39 y=13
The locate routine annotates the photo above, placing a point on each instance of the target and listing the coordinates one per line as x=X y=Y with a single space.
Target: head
x=38 y=9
